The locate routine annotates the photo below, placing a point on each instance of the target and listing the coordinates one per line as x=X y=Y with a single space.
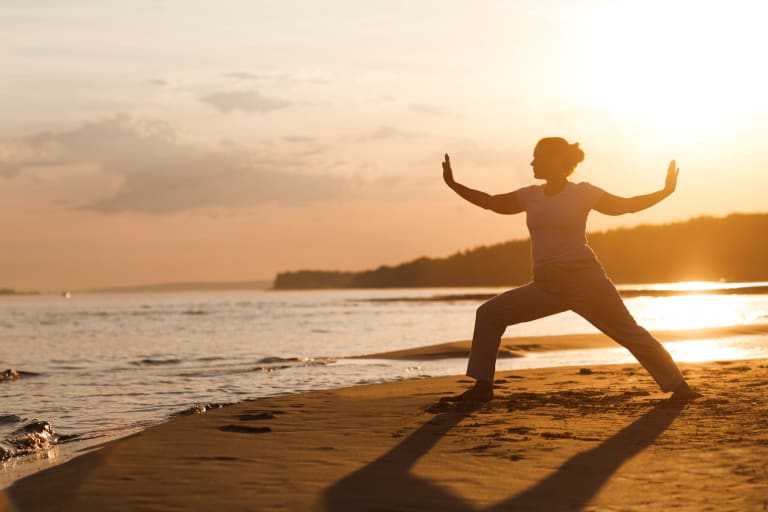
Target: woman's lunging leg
x=604 y=309
x=522 y=304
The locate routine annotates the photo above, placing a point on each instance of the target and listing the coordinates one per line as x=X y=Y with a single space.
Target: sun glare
x=705 y=350
x=689 y=286
x=693 y=311
x=687 y=69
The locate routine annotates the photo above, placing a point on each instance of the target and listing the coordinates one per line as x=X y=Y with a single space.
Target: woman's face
x=546 y=163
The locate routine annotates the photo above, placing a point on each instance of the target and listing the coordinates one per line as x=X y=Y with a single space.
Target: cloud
x=14 y=158
x=158 y=81
x=242 y=75
x=275 y=77
x=11 y=169
x=160 y=175
x=388 y=132
x=383 y=99
x=228 y=187
x=247 y=101
x=299 y=139
x=430 y=110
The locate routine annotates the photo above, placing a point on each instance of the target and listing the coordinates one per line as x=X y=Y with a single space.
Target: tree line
x=732 y=248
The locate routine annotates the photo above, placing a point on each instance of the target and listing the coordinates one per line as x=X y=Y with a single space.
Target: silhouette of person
x=566 y=272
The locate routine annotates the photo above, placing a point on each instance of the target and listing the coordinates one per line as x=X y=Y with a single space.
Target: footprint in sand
x=251 y=416
x=245 y=429
x=257 y=416
x=216 y=458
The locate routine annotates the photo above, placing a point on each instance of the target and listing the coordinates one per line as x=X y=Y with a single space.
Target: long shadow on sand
x=386 y=483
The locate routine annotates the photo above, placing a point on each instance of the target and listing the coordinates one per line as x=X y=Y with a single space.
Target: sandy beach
x=569 y=438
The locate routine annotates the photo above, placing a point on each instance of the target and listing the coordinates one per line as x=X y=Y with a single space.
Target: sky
x=167 y=141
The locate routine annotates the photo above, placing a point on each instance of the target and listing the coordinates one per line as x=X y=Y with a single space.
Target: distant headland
x=194 y=286
x=732 y=248
x=11 y=291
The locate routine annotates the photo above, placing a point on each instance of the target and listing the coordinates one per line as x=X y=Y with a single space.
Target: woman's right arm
x=506 y=204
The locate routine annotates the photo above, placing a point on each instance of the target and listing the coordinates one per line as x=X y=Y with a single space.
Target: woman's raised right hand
x=447 y=171
x=671 y=182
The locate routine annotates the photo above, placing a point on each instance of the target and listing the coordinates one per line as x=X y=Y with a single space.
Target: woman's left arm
x=610 y=204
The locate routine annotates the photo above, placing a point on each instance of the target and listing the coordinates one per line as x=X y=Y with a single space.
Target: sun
x=687 y=69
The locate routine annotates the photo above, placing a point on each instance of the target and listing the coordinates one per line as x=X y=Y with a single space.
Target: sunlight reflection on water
x=690 y=351
x=696 y=311
x=724 y=349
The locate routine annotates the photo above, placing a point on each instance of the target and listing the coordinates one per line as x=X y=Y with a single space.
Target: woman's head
x=555 y=157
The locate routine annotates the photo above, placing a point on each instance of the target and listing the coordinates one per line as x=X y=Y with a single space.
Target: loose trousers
x=579 y=286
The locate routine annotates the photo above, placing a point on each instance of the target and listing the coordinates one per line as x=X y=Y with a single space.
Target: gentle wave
x=10 y=419
x=33 y=437
x=36 y=436
x=276 y=359
x=200 y=408
x=264 y=365
x=11 y=375
x=150 y=361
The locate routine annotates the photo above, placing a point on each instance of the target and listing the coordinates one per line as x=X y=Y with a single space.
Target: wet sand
x=571 y=438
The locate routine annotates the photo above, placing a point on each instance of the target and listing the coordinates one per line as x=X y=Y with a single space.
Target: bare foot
x=684 y=394
x=481 y=392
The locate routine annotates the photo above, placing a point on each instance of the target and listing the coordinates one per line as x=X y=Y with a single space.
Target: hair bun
x=577 y=154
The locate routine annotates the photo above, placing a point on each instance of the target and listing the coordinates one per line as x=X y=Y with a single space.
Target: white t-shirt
x=558 y=223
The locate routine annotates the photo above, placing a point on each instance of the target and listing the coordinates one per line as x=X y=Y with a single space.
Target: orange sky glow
x=225 y=141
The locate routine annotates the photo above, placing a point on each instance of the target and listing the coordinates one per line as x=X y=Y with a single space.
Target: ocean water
x=95 y=366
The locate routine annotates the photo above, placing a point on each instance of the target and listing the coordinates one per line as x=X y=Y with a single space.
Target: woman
x=566 y=273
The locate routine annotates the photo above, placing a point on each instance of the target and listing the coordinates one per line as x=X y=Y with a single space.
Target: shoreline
x=511 y=347
x=518 y=346
x=553 y=438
